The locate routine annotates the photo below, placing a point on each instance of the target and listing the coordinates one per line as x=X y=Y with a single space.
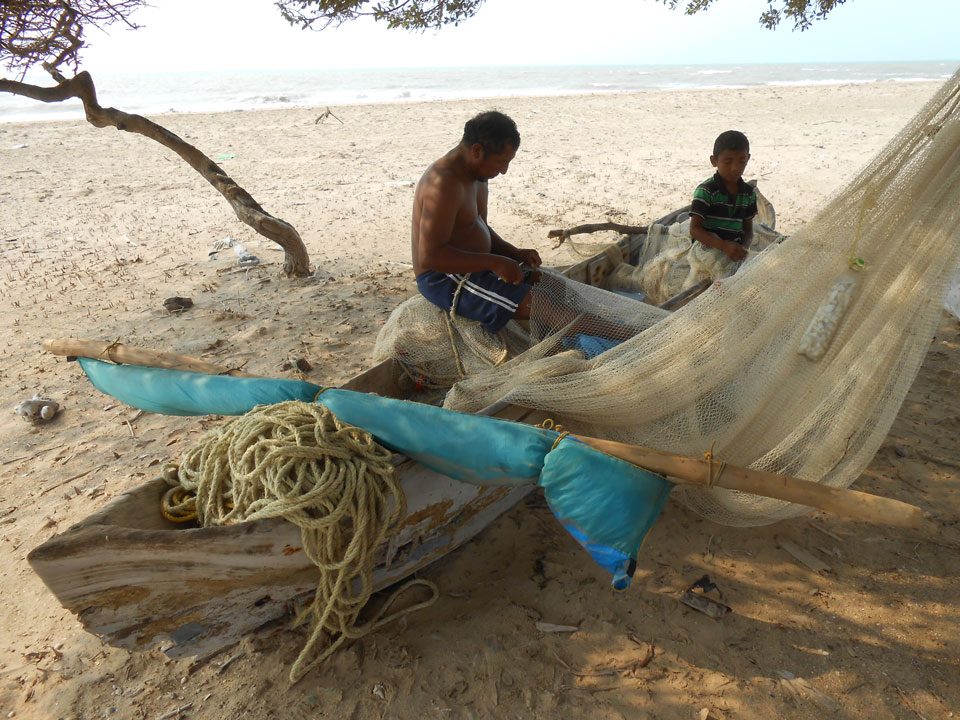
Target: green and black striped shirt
x=723 y=213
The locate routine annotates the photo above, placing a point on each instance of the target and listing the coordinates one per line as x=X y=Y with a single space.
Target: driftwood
x=324 y=115
x=296 y=261
x=563 y=234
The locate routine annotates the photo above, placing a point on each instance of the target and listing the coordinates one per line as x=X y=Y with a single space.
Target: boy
x=453 y=247
x=723 y=207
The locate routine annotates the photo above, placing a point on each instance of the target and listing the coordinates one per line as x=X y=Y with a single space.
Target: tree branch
x=595 y=227
x=248 y=210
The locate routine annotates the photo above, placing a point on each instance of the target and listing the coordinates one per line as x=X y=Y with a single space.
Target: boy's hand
x=734 y=251
x=508 y=270
x=528 y=256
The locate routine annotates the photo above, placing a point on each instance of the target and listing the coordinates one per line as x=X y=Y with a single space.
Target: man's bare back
x=442 y=183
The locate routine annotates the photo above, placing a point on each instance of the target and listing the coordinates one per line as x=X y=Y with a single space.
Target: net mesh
x=726 y=371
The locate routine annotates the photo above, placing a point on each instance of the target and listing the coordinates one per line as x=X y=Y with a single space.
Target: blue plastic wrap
x=180 y=392
x=607 y=504
x=472 y=448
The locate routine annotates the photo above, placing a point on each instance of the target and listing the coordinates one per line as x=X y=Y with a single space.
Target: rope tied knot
x=714 y=469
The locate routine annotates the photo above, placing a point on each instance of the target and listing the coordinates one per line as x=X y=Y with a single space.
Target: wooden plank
x=798 y=553
x=682 y=298
x=117 y=352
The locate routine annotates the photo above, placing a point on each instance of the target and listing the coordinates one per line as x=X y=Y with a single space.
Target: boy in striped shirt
x=723 y=207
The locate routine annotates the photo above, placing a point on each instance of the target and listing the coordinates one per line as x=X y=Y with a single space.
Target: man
x=457 y=256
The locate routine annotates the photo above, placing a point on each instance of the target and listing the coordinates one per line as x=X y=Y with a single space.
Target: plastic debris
x=38 y=409
x=244 y=258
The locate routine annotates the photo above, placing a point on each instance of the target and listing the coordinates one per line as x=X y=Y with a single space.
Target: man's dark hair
x=493 y=130
x=730 y=140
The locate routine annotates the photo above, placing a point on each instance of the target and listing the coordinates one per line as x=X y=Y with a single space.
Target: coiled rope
x=297 y=461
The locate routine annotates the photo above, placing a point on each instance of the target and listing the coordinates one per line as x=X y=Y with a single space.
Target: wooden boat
x=138 y=581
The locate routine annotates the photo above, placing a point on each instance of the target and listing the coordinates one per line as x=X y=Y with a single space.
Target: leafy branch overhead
x=33 y=32
x=52 y=32
x=803 y=12
x=407 y=14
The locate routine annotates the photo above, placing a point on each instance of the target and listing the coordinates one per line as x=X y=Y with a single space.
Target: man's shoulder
x=440 y=178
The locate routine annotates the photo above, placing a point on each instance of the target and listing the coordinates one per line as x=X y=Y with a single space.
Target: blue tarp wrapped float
x=608 y=505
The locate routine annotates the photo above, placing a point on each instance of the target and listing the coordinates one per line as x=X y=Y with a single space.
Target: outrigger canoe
x=140 y=581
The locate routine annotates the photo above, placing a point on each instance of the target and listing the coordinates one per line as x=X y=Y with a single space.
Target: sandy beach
x=98 y=227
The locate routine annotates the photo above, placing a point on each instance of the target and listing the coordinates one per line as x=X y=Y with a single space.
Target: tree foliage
x=51 y=31
x=803 y=12
x=407 y=14
x=34 y=32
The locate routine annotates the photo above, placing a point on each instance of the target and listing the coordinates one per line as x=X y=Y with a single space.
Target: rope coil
x=297 y=461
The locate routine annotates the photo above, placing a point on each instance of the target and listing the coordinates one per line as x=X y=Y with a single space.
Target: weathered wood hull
x=138 y=581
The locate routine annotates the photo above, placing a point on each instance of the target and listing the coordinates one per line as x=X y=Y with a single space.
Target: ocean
x=154 y=93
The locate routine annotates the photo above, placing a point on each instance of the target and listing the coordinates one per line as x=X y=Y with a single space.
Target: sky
x=216 y=35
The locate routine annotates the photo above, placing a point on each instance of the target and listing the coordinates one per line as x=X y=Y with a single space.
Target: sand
x=98 y=227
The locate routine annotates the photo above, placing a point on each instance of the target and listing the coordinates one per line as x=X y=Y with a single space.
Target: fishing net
x=672 y=262
x=797 y=364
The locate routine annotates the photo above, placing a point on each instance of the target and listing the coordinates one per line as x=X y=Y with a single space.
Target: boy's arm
x=438 y=213
x=524 y=256
x=748 y=222
x=747 y=233
x=698 y=232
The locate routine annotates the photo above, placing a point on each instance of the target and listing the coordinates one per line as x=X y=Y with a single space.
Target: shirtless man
x=452 y=244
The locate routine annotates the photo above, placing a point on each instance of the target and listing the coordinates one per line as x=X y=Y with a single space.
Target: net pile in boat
x=671 y=261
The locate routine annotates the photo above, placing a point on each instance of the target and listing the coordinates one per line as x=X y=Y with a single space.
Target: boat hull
x=193 y=591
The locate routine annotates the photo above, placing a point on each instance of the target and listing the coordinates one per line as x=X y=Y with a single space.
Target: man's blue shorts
x=484 y=298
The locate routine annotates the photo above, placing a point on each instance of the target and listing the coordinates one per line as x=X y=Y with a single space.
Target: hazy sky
x=218 y=35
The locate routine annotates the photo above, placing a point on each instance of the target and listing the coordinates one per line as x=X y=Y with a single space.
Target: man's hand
x=508 y=270
x=734 y=251
x=528 y=256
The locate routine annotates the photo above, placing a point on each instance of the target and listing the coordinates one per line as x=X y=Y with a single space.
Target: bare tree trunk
x=296 y=261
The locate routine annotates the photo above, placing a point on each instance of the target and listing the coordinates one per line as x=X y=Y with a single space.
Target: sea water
x=155 y=93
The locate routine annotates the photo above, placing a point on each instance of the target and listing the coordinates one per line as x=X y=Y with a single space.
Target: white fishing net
x=726 y=371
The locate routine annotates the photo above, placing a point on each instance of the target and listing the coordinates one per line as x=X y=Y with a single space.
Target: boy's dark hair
x=493 y=131
x=730 y=140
